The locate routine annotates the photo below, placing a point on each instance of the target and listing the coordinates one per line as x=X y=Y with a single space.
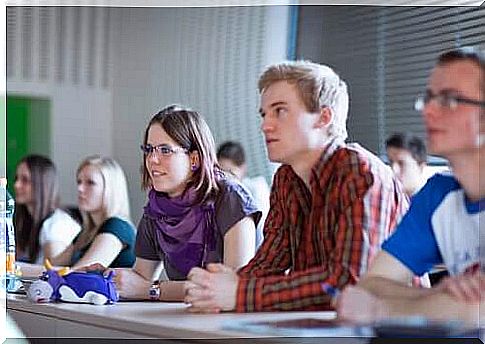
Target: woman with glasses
x=42 y=229
x=194 y=214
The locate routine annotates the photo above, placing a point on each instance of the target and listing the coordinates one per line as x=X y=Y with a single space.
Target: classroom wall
x=62 y=54
x=385 y=55
x=106 y=70
x=205 y=58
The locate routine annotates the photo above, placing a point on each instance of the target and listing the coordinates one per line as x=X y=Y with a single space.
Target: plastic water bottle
x=3 y=232
x=7 y=231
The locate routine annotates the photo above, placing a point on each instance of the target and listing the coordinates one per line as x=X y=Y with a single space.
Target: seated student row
x=323 y=244
x=43 y=230
x=442 y=225
x=180 y=169
x=195 y=213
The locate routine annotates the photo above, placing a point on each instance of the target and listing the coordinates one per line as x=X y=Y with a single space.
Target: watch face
x=154 y=292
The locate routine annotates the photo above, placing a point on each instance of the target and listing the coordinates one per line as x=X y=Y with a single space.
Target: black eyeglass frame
x=445 y=100
x=149 y=149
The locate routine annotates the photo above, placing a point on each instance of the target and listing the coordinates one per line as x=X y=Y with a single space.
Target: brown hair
x=318 y=86
x=411 y=143
x=190 y=131
x=233 y=151
x=45 y=194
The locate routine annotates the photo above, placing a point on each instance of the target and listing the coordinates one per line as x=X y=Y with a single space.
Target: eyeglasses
x=447 y=101
x=162 y=150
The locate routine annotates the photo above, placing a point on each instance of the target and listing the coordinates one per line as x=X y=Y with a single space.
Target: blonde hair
x=318 y=86
x=115 y=196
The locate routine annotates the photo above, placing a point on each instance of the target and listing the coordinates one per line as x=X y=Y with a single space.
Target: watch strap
x=154 y=291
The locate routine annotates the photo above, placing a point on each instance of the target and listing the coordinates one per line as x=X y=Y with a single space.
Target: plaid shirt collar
x=328 y=152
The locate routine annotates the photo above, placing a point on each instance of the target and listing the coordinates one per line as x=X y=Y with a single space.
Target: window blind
x=385 y=54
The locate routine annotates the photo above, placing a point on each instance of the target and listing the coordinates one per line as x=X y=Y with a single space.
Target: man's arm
x=365 y=211
x=360 y=221
x=385 y=292
x=388 y=277
x=358 y=305
x=438 y=306
x=273 y=256
x=214 y=289
x=303 y=290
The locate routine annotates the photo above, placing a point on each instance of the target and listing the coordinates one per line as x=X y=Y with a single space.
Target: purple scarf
x=184 y=228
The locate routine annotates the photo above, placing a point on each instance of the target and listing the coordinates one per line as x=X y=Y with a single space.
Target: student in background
x=42 y=229
x=194 y=214
x=407 y=158
x=107 y=237
x=332 y=203
x=443 y=223
x=232 y=158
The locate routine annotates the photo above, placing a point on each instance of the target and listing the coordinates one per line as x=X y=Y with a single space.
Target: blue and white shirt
x=441 y=226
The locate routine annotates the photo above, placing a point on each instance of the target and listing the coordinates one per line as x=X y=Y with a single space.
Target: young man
x=232 y=158
x=332 y=204
x=407 y=158
x=442 y=225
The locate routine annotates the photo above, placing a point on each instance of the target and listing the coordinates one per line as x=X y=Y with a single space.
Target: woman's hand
x=130 y=284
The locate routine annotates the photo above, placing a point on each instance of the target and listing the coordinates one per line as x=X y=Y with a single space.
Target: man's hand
x=212 y=290
x=130 y=284
x=357 y=305
x=465 y=287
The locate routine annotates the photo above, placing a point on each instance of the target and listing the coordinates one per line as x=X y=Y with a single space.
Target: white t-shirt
x=260 y=191
x=59 y=227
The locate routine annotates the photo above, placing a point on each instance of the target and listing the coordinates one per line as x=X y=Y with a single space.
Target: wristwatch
x=154 y=291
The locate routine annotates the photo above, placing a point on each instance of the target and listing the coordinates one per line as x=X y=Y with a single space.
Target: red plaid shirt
x=328 y=235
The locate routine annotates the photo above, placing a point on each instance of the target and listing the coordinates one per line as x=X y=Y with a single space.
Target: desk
x=136 y=320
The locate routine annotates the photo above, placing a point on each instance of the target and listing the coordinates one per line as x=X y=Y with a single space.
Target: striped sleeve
x=356 y=233
x=302 y=290
x=273 y=257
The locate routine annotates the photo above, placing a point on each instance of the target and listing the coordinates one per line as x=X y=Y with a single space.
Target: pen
x=333 y=292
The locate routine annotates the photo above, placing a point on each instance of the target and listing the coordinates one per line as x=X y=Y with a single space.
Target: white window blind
x=385 y=54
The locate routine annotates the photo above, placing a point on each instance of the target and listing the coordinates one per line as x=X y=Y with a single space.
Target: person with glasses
x=195 y=214
x=332 y=203
x=442 y=225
